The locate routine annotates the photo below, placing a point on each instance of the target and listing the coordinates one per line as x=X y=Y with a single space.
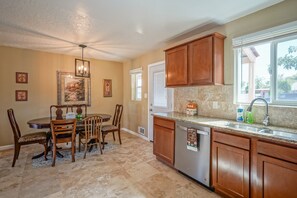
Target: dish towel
x=192 y=139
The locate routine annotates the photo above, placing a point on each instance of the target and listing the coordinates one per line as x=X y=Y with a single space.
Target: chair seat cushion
x=37 y=136
x=106 y=128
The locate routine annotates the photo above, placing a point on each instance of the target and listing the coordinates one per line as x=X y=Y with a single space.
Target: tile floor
x=127 y=170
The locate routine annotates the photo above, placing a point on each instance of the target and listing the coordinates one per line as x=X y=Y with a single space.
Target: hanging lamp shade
x=82 y=67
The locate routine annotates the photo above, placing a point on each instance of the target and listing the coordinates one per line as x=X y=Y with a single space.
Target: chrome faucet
x=266 y=118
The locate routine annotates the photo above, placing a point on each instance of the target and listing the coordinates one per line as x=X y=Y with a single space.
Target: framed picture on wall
x=21 y=77
x=21 y=95
x=107 y=88
x=72 y=89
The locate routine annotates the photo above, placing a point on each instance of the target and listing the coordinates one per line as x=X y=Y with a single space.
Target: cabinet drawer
x=170 y=124
x=231 y=140
x=277 y=151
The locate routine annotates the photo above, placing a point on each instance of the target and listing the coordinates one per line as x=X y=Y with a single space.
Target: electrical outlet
x=215 y=105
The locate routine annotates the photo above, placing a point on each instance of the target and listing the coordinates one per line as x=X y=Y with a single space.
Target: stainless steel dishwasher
x=191 y=163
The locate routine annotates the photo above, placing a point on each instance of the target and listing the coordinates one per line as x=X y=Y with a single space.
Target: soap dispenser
x=240 y=113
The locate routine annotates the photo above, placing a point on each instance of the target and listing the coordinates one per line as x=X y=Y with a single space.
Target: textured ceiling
x=112 y=29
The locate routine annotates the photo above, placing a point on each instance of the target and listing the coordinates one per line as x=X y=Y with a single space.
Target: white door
x=160 y=98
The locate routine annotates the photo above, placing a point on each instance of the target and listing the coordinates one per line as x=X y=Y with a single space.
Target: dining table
x=45 y=123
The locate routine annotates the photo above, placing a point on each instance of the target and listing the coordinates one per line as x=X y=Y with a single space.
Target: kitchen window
x=136 y=84
x=266 y=66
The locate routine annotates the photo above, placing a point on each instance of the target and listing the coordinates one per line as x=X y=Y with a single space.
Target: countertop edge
x=218 y=124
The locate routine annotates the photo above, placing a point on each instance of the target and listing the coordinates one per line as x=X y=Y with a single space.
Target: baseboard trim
x=6 y=147
x=134 y=133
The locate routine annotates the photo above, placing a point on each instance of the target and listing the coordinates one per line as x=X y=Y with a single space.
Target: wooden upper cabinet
x=206 y=60
x=200 y=62
x=176 y=66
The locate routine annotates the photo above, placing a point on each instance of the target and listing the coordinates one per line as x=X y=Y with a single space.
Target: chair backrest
x=92 y=127
x=117 y=115
x=59 y=127
x=57 y=110
x=14 y=125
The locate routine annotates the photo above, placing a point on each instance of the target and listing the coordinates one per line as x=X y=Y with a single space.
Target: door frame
x=149 y=94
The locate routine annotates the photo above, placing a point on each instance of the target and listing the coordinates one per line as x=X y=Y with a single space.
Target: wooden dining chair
x=57 y=111
x=63 y=131
x=19 y=140
x=91 y=135
x=115 y=126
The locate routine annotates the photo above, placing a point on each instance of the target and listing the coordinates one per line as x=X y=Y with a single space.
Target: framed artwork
x=107 y=88
x=82 y=71
x=72 y=89
x=21 y=95
x=21 y=77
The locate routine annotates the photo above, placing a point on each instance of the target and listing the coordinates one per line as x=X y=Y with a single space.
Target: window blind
x=266 y=35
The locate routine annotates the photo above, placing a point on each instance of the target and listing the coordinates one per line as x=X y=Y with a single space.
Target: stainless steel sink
x=267 y=131
x=281 y=134
x=243 y=126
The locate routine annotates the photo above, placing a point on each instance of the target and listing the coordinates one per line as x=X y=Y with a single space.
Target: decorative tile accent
x=223 y=95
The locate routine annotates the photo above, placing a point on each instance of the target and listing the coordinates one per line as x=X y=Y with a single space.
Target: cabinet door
x=230 y=170
x=164 y=143
x=276 y=178
x=176 y=66
x=201 y=61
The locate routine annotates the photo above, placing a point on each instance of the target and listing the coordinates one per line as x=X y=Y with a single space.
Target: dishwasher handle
x=198 y=131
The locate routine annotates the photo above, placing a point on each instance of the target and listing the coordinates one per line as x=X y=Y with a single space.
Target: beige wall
x=278 y=14
x=136 y=113
x=42 y=86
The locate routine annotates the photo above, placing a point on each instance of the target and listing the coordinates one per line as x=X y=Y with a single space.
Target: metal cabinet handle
x=182 y=127
x=202 y=132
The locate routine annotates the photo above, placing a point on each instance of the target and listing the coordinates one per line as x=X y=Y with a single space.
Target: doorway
x=160 y=98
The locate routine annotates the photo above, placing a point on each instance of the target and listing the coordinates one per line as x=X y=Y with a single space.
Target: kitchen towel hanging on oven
x=192 y=139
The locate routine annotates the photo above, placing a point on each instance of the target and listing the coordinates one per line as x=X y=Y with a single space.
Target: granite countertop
x=222 y=124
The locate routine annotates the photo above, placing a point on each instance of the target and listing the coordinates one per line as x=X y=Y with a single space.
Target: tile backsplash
x=217 y=101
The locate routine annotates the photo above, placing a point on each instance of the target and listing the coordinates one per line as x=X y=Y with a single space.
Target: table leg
x=41 y=154
x=49 y=148
x=48 y=137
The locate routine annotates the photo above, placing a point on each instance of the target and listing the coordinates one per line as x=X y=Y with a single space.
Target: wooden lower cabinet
x=230 y=165
x=276 y=170
x=163 y=146
x=244 y=166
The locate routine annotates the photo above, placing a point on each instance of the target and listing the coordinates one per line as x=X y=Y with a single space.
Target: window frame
x=133 y=79
x=274 y=71
x=273 y=62
x=137 y=75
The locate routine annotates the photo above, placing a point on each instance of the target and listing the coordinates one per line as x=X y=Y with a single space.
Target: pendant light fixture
x=82 y=67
